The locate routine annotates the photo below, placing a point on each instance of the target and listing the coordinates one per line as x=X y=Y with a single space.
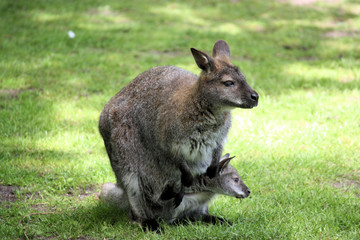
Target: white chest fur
x=198 y=149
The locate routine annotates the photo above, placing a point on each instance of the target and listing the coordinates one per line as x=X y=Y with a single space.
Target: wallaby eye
x=229 y=83
x=236 y=180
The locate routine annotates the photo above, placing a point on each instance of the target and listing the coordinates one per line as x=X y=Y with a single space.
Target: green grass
x=298 y=151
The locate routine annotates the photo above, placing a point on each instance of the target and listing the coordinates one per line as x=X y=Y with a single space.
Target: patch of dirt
x=105 y=10
x=295 y=47
x=353 y=99
x=341 y=34
x=81 y=193
x=171 y=53
x=308 y=2
x=7 y=193
x=347 y=79
x=346 y=184
x=41 y=207
x=14 y=93
x=32 y=195
x=347 y=181
x=244 y=57
x=308 y=58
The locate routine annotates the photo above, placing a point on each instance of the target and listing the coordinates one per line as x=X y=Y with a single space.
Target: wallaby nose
x=254 y=96
x=248 y=191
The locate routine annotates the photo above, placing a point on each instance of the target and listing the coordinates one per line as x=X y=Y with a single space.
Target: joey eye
x=229 y=83
x=236 y=180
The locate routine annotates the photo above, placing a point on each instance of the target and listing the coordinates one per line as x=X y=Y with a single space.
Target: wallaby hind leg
x=138 y=215
x=114 y=196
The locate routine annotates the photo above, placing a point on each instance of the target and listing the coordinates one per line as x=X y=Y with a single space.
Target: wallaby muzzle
x=254 y=96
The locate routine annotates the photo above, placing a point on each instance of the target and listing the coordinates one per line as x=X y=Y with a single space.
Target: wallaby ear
x=223 y=164
x=202 y=60
x=221 y=50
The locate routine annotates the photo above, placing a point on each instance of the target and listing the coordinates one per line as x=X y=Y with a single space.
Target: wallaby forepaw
x=211 y=171
x=168 y=193
x=187 y=179
x=179 y=197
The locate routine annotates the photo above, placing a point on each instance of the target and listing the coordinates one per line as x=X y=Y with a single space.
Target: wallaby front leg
x=186 y=176
x=211 y=170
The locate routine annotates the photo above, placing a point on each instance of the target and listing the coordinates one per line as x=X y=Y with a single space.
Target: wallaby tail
x=113 y=195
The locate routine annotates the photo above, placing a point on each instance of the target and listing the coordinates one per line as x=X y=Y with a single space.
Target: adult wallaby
x=195 y=202
x=169 y=124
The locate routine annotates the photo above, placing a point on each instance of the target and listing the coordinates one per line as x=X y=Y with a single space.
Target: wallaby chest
x=198 y=146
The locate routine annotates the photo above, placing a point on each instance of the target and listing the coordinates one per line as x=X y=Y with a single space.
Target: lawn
x=298 y=151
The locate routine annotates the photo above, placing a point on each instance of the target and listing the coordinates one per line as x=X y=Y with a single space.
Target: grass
x=298 y=151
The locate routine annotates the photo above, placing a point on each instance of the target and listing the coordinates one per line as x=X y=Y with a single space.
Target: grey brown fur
x=168 y=125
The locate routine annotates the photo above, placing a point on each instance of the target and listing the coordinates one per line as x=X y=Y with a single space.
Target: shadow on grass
x=95 y=221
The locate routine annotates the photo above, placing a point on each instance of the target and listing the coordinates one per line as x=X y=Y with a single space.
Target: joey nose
x=254 y=96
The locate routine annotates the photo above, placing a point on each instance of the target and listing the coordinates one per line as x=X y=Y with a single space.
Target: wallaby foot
x=169 y=193
x=214 y=220
x=151 y=225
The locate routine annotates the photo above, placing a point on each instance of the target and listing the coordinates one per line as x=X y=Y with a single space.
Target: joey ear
x=221 y=50
x=224 y=157
x=202 y=60
x=224 y=163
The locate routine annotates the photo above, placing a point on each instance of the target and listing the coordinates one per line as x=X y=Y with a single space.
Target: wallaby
x=169 y=124
x=194 y=205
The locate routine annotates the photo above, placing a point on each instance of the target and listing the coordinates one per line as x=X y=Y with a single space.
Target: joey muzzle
x=245 y=195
